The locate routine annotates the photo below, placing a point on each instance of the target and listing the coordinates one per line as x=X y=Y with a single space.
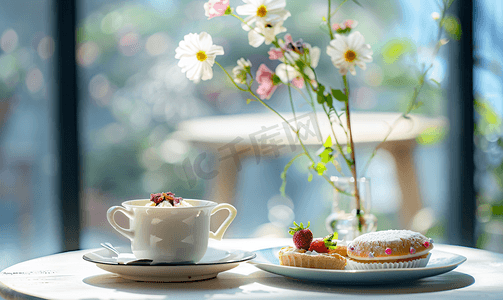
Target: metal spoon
x=132 y=262
x=110 y=247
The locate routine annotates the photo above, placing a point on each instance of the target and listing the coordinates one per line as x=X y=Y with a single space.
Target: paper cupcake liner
x=417 y=263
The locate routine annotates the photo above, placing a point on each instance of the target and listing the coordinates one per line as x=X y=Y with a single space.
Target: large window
x=132 y=97
x=28 y=164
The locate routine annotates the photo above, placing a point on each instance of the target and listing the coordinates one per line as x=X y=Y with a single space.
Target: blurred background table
x=246 y=135
x=68 y=276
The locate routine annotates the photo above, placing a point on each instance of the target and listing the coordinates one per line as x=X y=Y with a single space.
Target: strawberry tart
x=320 y=253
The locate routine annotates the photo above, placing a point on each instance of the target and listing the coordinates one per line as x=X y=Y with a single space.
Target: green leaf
x=321 y=98
x=310 y=177
x=431 y=136
x=320 y=168
x=300 y=64
x=330 y=240
x=275 y=79
x=452 y=27
x=348 y=148
x=329 y=100
x=328 y=142
x=249 y=100
x=326 y=156
x=339 y=95
x=417 y=105
x=394 y=49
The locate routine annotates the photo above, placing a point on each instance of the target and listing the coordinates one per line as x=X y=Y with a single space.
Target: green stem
x=339 y=7
x=230 y=77
x=328 y=20
x=361 y=221
x=339 y=147
x=291 y=104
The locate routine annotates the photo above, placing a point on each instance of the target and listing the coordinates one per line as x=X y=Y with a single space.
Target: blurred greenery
x=489 y=143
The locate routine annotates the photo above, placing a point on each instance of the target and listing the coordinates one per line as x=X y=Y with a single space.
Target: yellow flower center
x=201 y=56
x=350 y=55
x=261 y=11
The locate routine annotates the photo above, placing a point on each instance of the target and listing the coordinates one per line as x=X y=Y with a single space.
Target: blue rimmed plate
x=440 y=262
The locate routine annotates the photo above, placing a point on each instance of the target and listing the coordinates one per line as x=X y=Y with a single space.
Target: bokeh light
x=111 y=22
x=34 y=80
x=87 y=53
x=9 y=40
x=45 y=48
x=99 y=88
x=113 y=133
x=173 y=151
x=129 y=44
x=157 y=44
x=150 y=159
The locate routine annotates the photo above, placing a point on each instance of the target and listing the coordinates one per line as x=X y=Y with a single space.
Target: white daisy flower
x=314 y=56
x=263 y=10
x=349 y=51
x=197 y=55
x=241 y=70
x=264 y=32
x=287 y=73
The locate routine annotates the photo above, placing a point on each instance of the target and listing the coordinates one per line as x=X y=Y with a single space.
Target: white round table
x=68 y=276
x=236 y=137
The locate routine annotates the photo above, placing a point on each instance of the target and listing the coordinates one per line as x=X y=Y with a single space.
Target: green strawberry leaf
x=298 y=227
x=331 y=241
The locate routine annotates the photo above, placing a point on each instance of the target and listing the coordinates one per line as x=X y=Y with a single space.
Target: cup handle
x=129 y=233
x=221 y=230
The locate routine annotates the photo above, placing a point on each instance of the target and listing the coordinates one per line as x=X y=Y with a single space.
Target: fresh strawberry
x=318 y=245
x=322 y=245
x=302 y=237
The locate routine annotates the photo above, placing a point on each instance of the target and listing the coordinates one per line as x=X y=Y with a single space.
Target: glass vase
x=343 y=218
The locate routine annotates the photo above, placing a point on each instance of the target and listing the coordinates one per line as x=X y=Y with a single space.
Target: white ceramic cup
x=170 y=234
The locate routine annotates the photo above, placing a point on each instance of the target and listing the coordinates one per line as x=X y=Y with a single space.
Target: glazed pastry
x=390 y=249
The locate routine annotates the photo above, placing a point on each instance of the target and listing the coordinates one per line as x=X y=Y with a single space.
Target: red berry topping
x=412 y=250
x=323 y=245
x=318 y=245
x=388 y=251
x=169 y=196
x=426 y=244
x=302 y=237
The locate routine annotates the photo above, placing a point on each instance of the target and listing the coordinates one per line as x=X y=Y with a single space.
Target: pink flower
x=288 y=39
x=215 y=8
x=266 y=86
x=350 y=24
x=298 y=82
x=275 y=53
x=345 y=26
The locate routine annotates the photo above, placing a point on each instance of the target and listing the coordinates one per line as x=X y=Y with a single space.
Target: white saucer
x=213 y=262
x=440 y=262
